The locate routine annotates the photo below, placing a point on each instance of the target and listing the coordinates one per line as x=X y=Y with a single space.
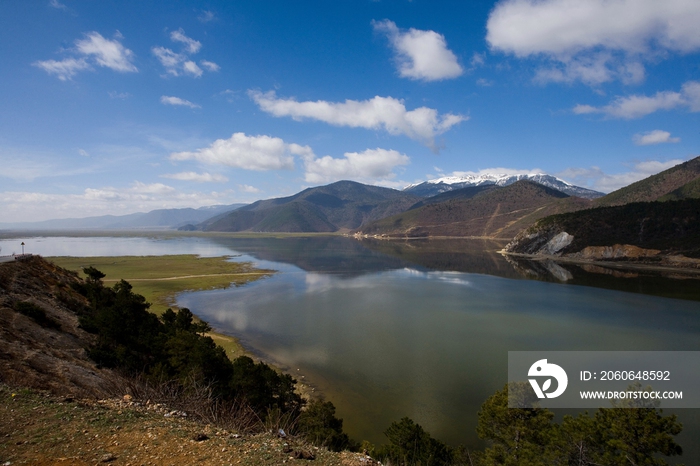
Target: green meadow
x=160 y=278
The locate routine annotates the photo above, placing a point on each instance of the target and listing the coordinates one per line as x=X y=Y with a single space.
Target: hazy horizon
x=117 y=108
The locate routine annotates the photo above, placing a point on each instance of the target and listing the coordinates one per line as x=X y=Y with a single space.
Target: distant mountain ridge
x=159 y=219
x=498 y=212
x=450 y=183
x=340 y=206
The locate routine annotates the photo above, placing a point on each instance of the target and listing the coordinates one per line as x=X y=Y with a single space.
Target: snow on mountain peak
x=449 y=183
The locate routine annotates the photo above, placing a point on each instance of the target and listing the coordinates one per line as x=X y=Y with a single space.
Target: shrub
x=318 y=425
x=37 y=314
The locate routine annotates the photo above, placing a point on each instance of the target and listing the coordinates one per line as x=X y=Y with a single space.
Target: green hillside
x=654 y=187
x=341 y=206
x=687 y=191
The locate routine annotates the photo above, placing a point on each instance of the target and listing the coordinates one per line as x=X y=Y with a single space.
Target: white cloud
x=64 y=69
x=109 y=53
x=191 y=67
x=247 y=152
x=169 y=59
x=263 y=153
x=484 y=82
x=206 y=16
x=169 y=100
x=19 y=206
x=369 y=166
x=248 y=189
x=178 y=64
x=198 y=177
x=118 y=95
x=25 y=166
x=637 y=106
x=103 y=52
x=595 y=178
x=83 y=152
x=654 y=137
x=422 y=124
x=492 y=171
x=478 y=59
x=58 y=5
x=691 y=94
x=210 y=65
x=421 y=55
x=192 y=46
x=594 y=41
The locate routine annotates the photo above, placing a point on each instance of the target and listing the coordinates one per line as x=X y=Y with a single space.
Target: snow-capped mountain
x=450 y=183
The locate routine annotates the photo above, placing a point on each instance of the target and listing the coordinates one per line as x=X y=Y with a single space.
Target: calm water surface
x=419 y=329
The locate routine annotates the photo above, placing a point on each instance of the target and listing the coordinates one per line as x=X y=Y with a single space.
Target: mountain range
x=160 y=219
x=477 y=211
x=342 y=206
x=451 y=183
x=488 y=206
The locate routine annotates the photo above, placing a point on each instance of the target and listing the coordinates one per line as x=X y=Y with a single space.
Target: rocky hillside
x=656 y=219
x=41 y=343
x=58 y=407
x=663 y=232
x=496 y=213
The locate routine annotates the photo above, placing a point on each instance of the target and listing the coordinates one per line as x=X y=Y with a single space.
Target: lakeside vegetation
x=160 y=278
x=172 y=349
x=171 y=358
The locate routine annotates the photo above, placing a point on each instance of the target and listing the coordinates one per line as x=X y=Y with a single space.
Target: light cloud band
x=637 y=106
x=422 y=124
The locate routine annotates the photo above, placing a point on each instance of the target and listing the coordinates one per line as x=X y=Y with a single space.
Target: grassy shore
x=160 y=278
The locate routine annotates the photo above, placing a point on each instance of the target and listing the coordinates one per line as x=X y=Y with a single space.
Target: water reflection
x=348 y=257
x=430 y=344
x=419 y=328
x=481 y=256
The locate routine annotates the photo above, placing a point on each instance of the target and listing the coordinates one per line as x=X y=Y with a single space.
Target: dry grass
x=38 y=429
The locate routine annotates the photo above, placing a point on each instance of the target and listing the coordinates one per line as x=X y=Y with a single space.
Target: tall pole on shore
x=22 y=247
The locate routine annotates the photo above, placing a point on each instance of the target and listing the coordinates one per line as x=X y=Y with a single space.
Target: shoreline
x=618 y=265
x=241 y=273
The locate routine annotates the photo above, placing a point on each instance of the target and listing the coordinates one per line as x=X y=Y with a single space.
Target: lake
x=420 y=328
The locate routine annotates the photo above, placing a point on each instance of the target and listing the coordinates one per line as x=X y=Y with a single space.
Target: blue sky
x=113 y=107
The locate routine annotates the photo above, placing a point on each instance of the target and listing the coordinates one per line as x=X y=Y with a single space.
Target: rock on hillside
x=41 y=344
x=665 y=232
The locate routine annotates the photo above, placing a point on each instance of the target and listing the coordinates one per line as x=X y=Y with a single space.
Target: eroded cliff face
x=665 y=233
x=551 y=241
x=46 y=353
